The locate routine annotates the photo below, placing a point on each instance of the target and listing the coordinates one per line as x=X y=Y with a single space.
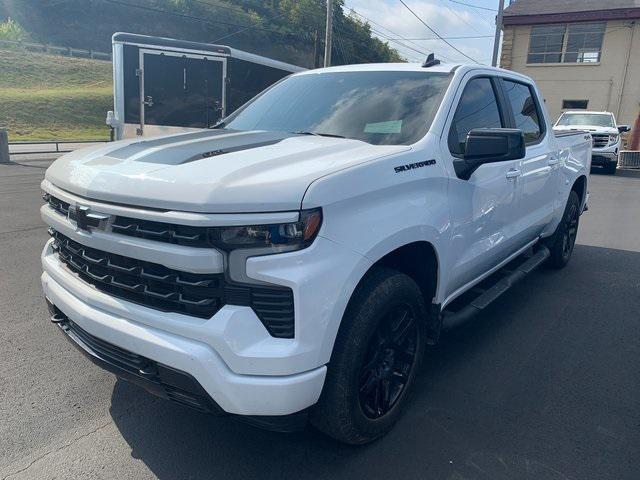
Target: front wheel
x=611 y=167
x=377 y=353
x=564 y=238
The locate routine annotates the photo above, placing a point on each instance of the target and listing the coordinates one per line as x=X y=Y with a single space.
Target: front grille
x=57 y=204
x=147 y=229
x=162 y=232
x=600 y=140
x=165 y=289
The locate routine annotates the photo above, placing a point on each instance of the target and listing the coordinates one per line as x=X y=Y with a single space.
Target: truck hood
x=211 y=171
x=587 y=128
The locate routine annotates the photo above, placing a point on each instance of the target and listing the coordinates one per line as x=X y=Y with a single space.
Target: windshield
x=596 y=119
x=382 y=108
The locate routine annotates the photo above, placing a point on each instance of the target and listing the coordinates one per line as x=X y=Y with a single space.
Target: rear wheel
x=378 y=351
x=564 y=238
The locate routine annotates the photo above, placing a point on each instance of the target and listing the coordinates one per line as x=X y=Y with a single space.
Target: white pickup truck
x=604 y=131
x=294 y=262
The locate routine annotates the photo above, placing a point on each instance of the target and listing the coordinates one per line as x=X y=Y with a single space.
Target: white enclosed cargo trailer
x=164 y=85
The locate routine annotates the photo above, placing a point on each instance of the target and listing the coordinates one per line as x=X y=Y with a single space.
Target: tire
x=564 y=238
x=377 y=353
x=610 y=168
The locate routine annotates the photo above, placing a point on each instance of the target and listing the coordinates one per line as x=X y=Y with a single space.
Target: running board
x=452 y=320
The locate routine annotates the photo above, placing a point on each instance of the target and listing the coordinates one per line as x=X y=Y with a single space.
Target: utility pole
x=316 y=49
x=496 y=41
x=329 y=34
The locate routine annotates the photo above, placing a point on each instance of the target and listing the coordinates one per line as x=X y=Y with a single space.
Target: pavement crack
x=56 y=450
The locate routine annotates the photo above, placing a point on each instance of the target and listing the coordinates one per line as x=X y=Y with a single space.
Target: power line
x=437 y=34
x=386 y=37
x=460 y=17
x=449 y=38
x=250 y=27
x=395 y=40
x=473 y=6
x=190 y=17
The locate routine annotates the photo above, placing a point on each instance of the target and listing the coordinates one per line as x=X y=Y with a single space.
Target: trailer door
x=181 y=90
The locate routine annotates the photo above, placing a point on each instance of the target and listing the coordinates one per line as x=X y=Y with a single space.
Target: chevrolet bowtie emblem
x=85 y=220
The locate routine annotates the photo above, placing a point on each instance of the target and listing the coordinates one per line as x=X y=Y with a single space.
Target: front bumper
x=234 y=393
x=243 y=369
x=157 y=379
x=605 y=156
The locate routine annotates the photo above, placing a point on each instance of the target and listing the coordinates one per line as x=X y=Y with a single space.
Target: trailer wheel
x=376 y=356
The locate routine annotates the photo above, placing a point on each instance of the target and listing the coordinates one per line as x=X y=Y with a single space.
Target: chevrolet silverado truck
x=604 y=131
x=292 y=264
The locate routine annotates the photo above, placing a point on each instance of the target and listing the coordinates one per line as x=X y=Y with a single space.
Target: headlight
x=613 y=138
x=290 y=236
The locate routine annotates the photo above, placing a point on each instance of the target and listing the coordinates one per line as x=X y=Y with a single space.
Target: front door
x=484 y=208
x=180 y=90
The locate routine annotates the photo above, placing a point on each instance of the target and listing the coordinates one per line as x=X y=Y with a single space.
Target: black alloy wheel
x=391 y=355
x=563 y=241
x=570 y=231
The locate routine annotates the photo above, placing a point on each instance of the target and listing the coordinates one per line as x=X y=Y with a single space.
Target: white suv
x=604 y=131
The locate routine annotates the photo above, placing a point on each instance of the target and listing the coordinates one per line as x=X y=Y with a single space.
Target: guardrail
x=56 y=50
x=57 y=143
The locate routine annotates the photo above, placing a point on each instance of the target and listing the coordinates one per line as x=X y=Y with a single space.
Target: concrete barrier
x=4 y=147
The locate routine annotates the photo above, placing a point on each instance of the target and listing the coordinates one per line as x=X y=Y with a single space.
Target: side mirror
x=489 y=145
x=623 y=128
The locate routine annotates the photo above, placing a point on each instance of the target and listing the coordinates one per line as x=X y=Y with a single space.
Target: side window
x=478 y=108
x=526 y=111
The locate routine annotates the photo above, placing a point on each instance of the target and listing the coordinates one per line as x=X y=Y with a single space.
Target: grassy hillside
x=45 y=97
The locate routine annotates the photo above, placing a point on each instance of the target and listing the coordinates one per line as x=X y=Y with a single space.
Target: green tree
x=12 y=30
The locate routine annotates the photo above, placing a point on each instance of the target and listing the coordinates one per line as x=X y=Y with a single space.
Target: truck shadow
x=500 y=398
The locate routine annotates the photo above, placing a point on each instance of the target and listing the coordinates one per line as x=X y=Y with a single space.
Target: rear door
x=484 y=208
x=539 y=171
x=180 y=90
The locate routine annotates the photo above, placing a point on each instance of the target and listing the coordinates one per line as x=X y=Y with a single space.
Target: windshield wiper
x=319 y=134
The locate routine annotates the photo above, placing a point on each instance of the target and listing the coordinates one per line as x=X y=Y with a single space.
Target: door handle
x=513 y=173
x=552 y=161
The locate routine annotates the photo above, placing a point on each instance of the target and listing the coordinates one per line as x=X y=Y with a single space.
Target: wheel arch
x=419 y=260
x=580 y=187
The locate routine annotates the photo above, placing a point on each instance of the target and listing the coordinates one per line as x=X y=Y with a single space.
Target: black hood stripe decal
x=238 y=148
x=200 y=146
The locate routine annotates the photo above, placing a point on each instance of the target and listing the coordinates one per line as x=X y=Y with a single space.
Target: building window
x=575 y=104
x=566 y=43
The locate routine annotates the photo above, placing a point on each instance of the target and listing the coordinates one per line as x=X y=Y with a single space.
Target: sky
x=448 y=18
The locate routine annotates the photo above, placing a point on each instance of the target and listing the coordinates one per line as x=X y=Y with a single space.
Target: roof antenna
x=431 y=61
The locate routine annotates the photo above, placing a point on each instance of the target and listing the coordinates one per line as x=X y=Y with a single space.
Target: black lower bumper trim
x=160 y=380
x=602 y=160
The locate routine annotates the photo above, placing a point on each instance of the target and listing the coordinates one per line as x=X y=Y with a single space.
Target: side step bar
x=452 y=320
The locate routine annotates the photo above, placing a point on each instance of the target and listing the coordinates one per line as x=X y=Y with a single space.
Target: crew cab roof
x=386 y=67
x=417 y=67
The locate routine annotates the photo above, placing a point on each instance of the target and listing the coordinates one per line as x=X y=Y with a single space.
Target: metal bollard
x=4 y=147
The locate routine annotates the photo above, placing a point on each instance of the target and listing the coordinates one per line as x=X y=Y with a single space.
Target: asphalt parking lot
x=544 y=385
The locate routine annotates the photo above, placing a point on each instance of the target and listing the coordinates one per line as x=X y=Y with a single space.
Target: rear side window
x=478 y=108
x=525 y=110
